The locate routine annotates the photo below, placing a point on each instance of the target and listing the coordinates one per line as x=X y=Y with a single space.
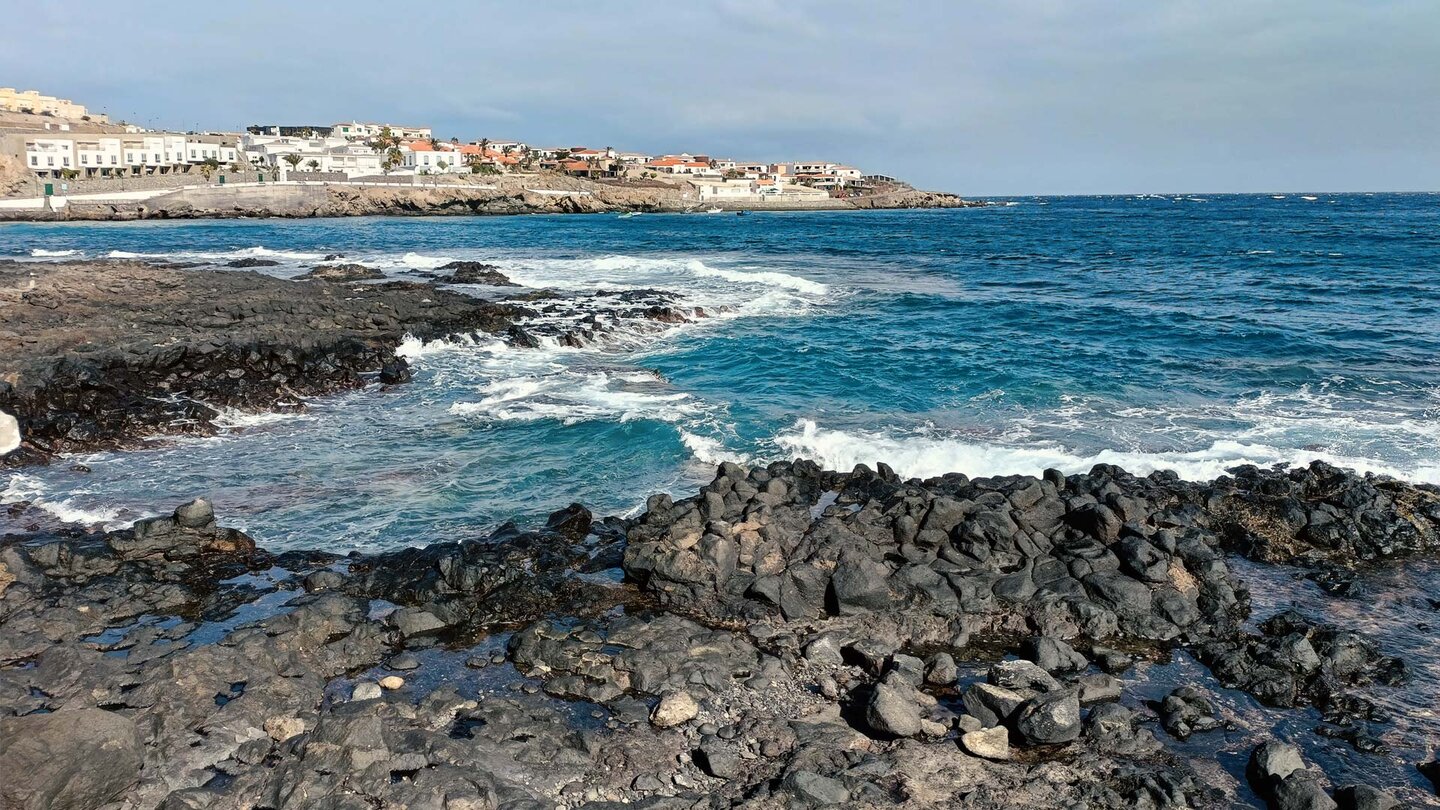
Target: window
x=49 y=161
x=67 y=161
x=34 y=160
x=84 y=160
x=114 y=159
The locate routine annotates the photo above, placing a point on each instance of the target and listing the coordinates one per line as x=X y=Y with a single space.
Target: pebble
x=392 y=682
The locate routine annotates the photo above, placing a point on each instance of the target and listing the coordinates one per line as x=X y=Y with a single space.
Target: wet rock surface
x=788 y=637
x=100 y=354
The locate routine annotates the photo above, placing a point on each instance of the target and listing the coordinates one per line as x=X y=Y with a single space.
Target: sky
x=1000 y=97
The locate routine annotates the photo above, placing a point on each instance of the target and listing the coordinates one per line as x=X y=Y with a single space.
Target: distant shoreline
x=326 y=199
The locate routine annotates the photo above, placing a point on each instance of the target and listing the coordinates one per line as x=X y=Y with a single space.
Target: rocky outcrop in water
x=344 y=272
x=100 y=353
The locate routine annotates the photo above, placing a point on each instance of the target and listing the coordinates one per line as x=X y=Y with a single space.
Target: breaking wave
x=928 y=454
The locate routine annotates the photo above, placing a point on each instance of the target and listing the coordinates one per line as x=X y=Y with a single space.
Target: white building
x=355 y=130
x=423 y=158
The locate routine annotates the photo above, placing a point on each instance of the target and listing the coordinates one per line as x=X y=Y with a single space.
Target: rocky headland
x=786 y=637
x=101 y=354
x=549 y=194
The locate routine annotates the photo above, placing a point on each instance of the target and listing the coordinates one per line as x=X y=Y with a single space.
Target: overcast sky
x=982 y=97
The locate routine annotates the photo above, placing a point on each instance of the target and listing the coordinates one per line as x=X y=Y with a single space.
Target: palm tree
x=293 y=160
x=314 y=165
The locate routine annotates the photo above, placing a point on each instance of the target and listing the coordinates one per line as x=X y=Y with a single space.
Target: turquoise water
x=1184 y=333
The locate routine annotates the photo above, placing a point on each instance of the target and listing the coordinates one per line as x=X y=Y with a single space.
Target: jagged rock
x=816 y=790
x=991 y=705
x=1364 y=797
x=342 y=273
x=1053 y=655
x=396 y=371
x=252 y=262
x=993 y=743
x=673 y=709
x=196 y=514
x=1186 y=711
x=1049 y=719
x=477 y=273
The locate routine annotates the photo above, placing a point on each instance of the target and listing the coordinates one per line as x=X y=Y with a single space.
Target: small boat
x=628 y=214
x=1308 y=197
x=716 y=210
x=741 y=213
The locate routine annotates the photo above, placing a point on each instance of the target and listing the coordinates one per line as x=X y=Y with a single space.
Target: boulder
x=342 y=273
x=1186 y=711
x=990 y=743
x=812 y=789
x=396 y=371
x=463 y=272
x=196 y=514
x=1053 y=655
x=990 y=704
x=893 y=711
x=674 y=709
x=9 y=433
x=1364 y=797
x=68 y=759
x=252 y=262
x=1049 y=719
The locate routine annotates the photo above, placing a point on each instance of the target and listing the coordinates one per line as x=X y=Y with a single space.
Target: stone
x=1364 y=797
x=1185 y=711
x=281 y=727
x=990 y=743
x=1272 y=761
x=990 y=704
x=1022 y=676
x=674 y=709
x=718 y=761
x=366 y=690
x=196 y=514
x=941 y=670
x=404 y=662
x=69 y=759
x=416 y=622
x=1301 y=790
x=1098 y=688
x=1049 y=719
x=816 y=790
x=1053 y=655
x=392 y=682
x=9 y=433
x=860 y=586
x=396 y=371
x=892 y=711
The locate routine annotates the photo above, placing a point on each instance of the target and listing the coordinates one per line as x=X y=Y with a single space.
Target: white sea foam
x=257 y=252
x=571 y=397
x=236 y=419
x=923 y=455
x=27 y=488
x=710 y=450
x=420 y=261
x=40 y=253
x=763 y=278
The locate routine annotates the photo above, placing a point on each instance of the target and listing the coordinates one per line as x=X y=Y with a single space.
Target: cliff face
x=15 y=179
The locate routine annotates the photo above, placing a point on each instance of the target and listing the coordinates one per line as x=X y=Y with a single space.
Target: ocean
x=1190 y=333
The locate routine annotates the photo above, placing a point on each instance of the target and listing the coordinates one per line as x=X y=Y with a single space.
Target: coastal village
x=67 y=149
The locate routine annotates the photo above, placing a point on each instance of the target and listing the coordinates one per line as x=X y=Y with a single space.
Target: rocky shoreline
x=787 y=637
x=99 y=355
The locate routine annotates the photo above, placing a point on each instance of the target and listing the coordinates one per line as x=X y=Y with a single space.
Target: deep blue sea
x=1190 y=333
